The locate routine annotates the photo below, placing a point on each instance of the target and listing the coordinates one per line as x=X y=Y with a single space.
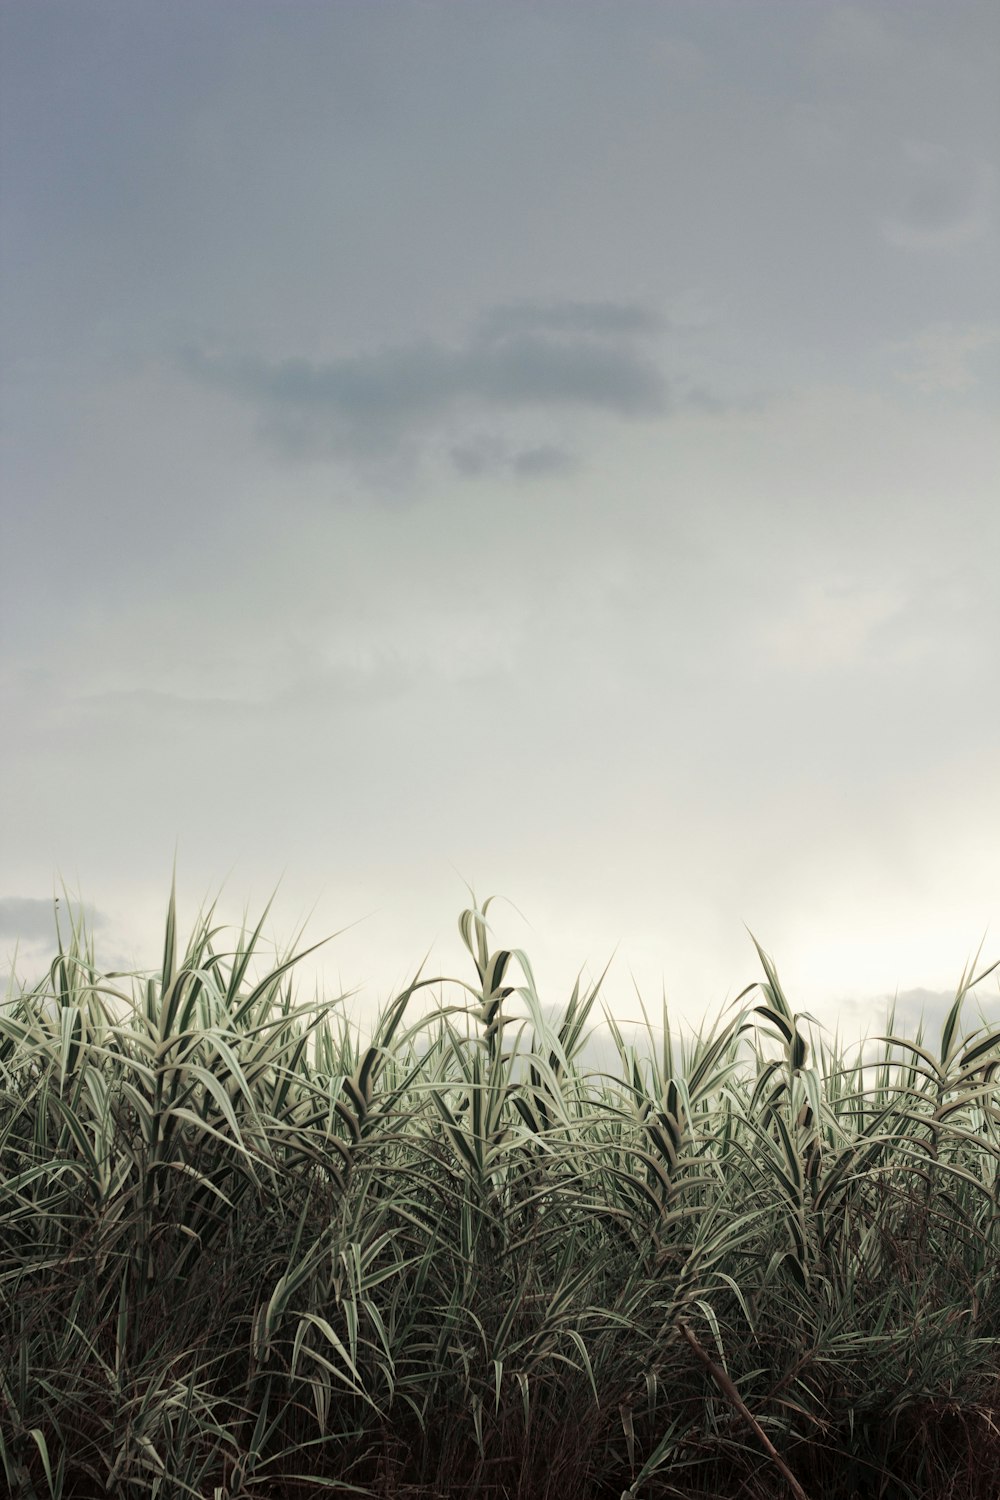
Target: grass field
x=245 y=1252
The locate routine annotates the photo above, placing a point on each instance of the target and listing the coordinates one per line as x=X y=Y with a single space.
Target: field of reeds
x=248 y=1254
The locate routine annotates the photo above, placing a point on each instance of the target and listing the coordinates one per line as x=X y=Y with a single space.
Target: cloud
x=942 y=357
x=598 y=319
x=32 y=920
x=545 y=458
x=927 y=1009
x=522 y=359
x=382 y=679
x=945 y=200
x=491 y=456
x=923 y=1010
x=829 y=625
x=853 y=36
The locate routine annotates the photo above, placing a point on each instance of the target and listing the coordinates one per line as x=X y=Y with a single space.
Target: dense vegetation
x=246 y=1253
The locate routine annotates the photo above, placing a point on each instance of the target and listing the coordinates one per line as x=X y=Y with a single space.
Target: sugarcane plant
x=491 y=1246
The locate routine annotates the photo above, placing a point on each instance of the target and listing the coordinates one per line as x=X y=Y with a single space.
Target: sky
x=550 y=449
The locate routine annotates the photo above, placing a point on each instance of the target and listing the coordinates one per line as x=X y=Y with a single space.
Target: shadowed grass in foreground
x=245 y=1254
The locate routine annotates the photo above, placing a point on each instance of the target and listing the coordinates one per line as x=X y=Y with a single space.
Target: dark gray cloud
x=480 y=457
x=615 y=320
x=927 y=1009
x=923 y=1011
x=524 y=359
x=32 y=919
x=944 y=201
x=544 y=458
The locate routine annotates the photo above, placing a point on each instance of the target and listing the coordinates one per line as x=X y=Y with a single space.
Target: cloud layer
x=521 y=359
x=31 y=920
x=671 y=347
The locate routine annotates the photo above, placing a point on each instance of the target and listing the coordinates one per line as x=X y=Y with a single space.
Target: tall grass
x=245 y=1253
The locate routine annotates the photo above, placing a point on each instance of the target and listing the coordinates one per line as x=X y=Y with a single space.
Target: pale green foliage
x=244 y=1253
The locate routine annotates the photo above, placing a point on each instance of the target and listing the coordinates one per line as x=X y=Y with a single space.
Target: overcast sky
x=551 y=446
